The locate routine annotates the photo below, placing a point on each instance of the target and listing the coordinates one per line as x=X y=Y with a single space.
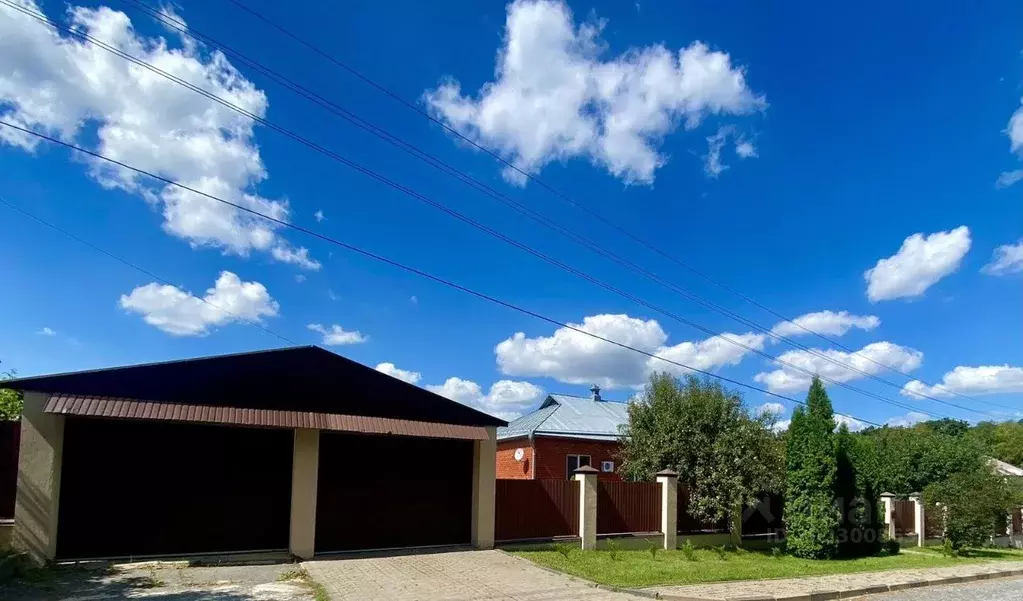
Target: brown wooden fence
x=536 y=509
x=10 y=437
x=628 y=507
x=765 y=517
x=687 y=524
x=1017 y=521
x=905 y=517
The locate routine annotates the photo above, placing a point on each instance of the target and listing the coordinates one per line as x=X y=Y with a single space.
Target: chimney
x=595 y=391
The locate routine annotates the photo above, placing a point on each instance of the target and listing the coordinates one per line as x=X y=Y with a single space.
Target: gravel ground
x=1001 y=589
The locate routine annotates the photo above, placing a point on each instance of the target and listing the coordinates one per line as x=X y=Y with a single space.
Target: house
x=294 y=450
x=564 y=433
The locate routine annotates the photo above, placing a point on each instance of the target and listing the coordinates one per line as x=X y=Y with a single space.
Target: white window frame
x=578 y=463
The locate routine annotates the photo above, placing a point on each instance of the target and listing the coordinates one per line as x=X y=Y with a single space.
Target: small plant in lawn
x=891 y=546
x=290 y=575
x=612 y=549
x=564 y=548
x=777 y=551
x=688 y=550
x=948 y=549
x=721 y=552
x=653 y=548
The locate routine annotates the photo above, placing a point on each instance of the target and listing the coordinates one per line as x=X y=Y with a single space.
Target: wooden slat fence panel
x=1017 y=521
x=905 y=517
x=528 y=509
x=628 y=507
x=687 y=524
x=10 y=438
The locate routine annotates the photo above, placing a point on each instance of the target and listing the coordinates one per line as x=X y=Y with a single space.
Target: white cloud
x=335 y=335
x=712 y=163
x=412 y=377
x=554 y=98
x=781 y=426
x=854 y=425
x=414 y=300
x=788 y=379
x=79 y=92
x=177 y=312
x=827 y=323
x=299 y=278
x=1007 y=258
x=1008 y=178
x=1015 y=133
x=319 y=216
x=772 y=408
x=919 y=264
x=575 y=358
x=983 y=379
x=903 y=421
x=745 y=149
x=47 y=332
x=507 y=399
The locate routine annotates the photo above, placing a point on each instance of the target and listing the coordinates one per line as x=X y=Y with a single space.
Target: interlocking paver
x=451 y=576
x=793 y=587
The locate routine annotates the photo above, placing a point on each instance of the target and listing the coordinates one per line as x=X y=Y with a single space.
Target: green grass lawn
x=633 y=569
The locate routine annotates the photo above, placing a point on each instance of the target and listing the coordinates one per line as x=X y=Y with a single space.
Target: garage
x=297 y=451
x=384 y=492
x=132 y=489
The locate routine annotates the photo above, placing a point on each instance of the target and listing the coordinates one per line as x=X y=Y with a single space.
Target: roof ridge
x=586 y=398
x=544 y=420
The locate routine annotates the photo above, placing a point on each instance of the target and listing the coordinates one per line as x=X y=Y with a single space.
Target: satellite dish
x=519 y=454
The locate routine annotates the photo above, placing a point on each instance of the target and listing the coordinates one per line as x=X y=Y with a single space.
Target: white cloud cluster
x=853 y=424
x=507 y=399
x=713 y=166
x=181 y=313
x=1015 y=133
x=904 y=421
x=1007 y=258
x=920 y=263
x=576 y=358
x=412 y=377
x=79 y=92
x=555 y=98
x=788 y=379
x=983 y=379
x=827 y=323
x=772 y=408
x=46 y=331
x=335 y=335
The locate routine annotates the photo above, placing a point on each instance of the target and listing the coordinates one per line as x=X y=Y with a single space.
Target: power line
x=141 y=270
x=412 y=193
x=536 y=179
x=410 y=269
x=472 y=182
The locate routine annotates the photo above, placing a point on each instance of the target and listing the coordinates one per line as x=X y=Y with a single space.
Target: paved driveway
x=453 y=576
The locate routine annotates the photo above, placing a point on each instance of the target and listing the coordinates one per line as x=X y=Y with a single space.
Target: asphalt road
x=999 y=589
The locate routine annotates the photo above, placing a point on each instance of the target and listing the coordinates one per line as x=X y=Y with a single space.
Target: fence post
x=586 y=476
x=669 y=507
x=888 y=506
x=921 y=522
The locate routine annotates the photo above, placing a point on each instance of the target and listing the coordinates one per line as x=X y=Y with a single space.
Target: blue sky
x=782 y=150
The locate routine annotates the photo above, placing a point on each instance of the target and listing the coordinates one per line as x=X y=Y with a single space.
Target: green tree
x=11 y=401
x=811 y=517
x=974 y=503
x=949 y=426
x=907 y=460
x=856 y=494
x=725 y=456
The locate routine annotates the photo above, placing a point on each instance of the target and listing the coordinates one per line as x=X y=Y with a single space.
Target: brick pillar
x=669 y=507
x=484 y=490
x=921 y=522
x=305 y=466
x=888 y=507
x=586 y=476
x=37 y=499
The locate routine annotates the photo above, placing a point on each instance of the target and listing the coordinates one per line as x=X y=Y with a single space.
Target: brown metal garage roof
x=91 y=406
x=297 y=380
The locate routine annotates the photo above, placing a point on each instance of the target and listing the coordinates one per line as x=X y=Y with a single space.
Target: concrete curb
x=827 y=595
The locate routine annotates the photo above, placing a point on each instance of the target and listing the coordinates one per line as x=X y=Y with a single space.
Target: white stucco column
x=305 y=466
x=37 y=499
x=484 y=485
x=921 y=522
x=888 y=507
x=586 y=476
x=668 y=480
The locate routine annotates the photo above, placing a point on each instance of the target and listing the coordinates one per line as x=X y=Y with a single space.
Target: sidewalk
x=835 y=586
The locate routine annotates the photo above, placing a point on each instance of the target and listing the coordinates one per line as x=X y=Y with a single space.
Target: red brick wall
x=507 y=467
x=551 y=453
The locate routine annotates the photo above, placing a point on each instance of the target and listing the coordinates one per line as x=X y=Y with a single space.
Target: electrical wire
x=610 y=223
x=410 y=269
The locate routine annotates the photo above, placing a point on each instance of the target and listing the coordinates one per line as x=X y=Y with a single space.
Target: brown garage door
x=152 y=488
x=380 y=492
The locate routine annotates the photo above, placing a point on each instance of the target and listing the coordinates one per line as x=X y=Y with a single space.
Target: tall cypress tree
x=811 y=516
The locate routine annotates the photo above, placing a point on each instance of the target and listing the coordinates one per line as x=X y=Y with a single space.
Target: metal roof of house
x=297 y=379
x=570 y=417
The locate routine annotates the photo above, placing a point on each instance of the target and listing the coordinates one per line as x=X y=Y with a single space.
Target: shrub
x=688 y=550
x=653 y=548
x=721 y=552
x=948 y=549
x=612 y=549
x=777 y=551
x=564 y=548
x=891 y=546
x=975 y=504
